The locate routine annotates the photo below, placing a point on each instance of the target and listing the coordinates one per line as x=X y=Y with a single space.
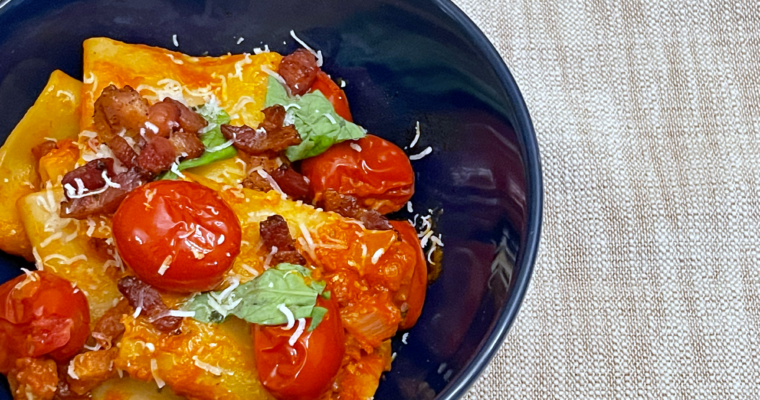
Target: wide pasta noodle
x=236 y=81
x=55 y=115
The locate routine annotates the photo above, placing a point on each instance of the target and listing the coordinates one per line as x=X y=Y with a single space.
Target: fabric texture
x=647 y=116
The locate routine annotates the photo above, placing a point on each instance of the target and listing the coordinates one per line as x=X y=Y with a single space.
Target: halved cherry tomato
x=41 y=313
x=377 y=173
x=418 y=287
x=337 y=97
x=306 y=369
x=177 y=236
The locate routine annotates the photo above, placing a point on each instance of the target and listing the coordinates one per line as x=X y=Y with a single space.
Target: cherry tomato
x=177 y=236
x=380 y=176
x=41 y=314
x=418 y=287
x=337 y=97
x=306 y=369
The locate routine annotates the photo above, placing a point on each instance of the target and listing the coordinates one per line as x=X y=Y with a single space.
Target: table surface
x=648 y=280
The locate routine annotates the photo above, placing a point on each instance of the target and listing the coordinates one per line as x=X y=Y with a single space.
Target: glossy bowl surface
x=404 y=61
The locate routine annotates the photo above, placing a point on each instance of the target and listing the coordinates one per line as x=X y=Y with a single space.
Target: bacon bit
x=88 y=177
x=90 y=369
x=348 y=207
x=109 y=327
x=186 y=144
x=140 y=294
x=299 y=70
x=106 y=202
x=123 y=151
x=35 y=378
x=118 y=110
x=164 y=116
x=43 y=148
x=259 y=162
x=157 y=156
x=291 y=182
x=276 y=236
x=270 y=135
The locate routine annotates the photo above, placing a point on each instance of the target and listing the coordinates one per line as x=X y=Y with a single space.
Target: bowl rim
x=466 y=378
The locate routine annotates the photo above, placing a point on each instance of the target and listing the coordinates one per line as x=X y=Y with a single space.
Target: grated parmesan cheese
x=409 y=207
x=235 y=282
x=356 y=147
x=240 y=40
x=154 y=371
x=241 y=103
x=220 y=147
x=421 y=155
x=276 y=76
x=269 y=257
x=175 y=169
x=425 y=238
x=306 y=235
x=258 y=50
x=181 y=314
x=416 y=135
x=65 y=260
x=138 y=310
x=37 y=259
x=174 y=60
x=377 y=255
x=299 y=331
x=330 y=117
x=176 y=44
x=151 y=126
x=289 y=315
x=50 y=239
x=404 y=338
x=93 y=348
x=430 y=254
x=165 y=265
x=71 y=371
x=207 y=367
x=250 y=270
x=272 y=183
x=317 y=54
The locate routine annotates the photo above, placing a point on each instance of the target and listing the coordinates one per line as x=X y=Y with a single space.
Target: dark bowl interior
x=405 y=61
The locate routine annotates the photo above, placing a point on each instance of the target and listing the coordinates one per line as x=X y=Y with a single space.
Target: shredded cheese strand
x=299 y=331
x=289 y=315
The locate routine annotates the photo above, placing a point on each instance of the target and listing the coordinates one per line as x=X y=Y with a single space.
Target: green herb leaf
x=211 y=137
x=259 y=301
x=316 y=317
x=313 y=117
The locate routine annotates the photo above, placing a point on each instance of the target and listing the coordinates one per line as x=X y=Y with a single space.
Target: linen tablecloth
x=648 y=282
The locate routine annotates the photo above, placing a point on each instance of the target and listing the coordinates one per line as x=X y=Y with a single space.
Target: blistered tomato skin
x=334 y=94
x=306 y=369
x=418 y=287
x=177 y=236
x=377 y=172
x=41 y=314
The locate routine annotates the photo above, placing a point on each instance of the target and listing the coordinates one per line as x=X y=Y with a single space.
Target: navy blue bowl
x=404 y=61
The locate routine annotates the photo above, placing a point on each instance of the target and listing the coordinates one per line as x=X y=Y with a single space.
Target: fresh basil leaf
x=319 y=286
x=211 y=137
x=258 y=301
x=326 y=295
x=316 y=317
x=313 y=116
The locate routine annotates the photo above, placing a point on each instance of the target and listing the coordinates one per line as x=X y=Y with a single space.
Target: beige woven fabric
x=647 y=114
